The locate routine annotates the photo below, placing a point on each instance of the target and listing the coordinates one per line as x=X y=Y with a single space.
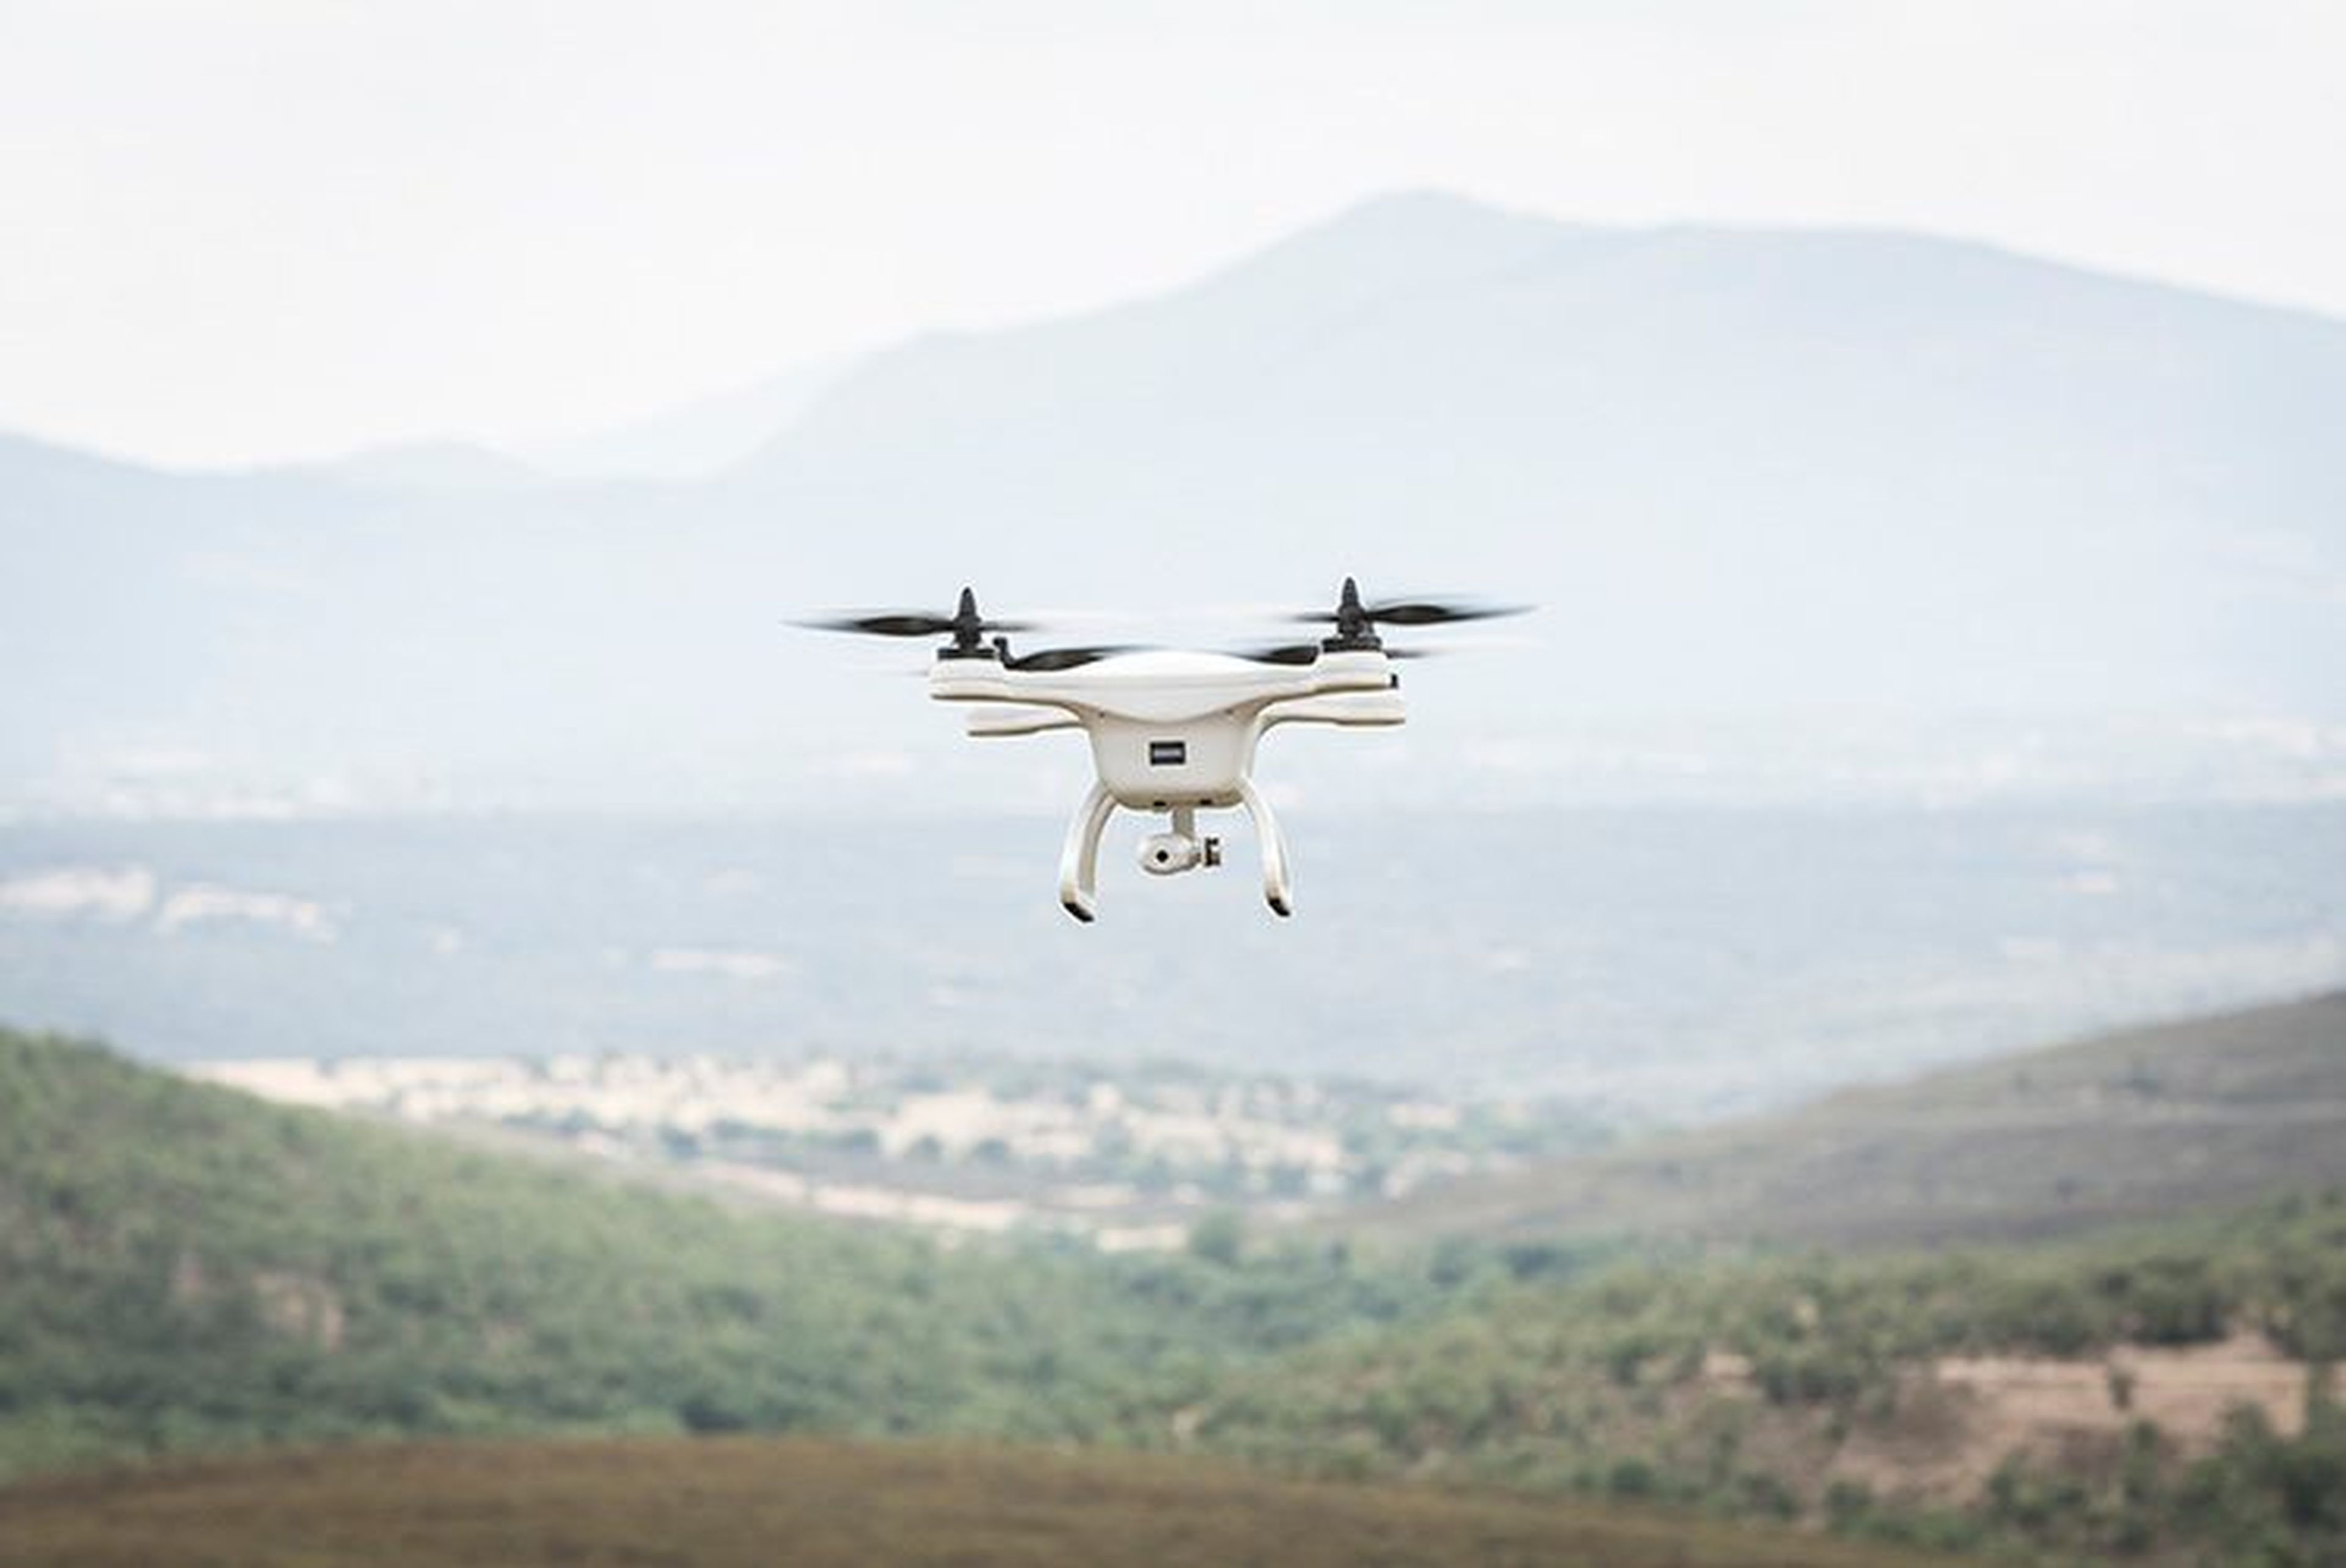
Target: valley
x=195 y=1269
x=1123 y=1157
x=1627 y=968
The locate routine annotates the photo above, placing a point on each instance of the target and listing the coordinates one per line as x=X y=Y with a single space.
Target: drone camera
x=1169 y=854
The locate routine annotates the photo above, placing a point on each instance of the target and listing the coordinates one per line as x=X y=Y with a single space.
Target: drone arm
x=993 y=720
x=1380 y=707
x=1079 y=860
x=1276 y=892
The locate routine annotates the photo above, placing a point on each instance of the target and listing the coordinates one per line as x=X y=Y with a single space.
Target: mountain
x=431 y=466
x=1739 y=467
x=693 y=440
x=727 y=1502
x=1823 y=512
x=2124 y=1125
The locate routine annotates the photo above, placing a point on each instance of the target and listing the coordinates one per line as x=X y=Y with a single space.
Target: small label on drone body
x=1168 y=753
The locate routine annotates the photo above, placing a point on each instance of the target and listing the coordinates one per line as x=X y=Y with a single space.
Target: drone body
x=1171 y=732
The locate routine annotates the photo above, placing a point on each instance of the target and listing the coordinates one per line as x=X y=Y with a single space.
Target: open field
x=719 y=1502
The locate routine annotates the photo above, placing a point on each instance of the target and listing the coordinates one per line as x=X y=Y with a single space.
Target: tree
x=1219 y=1237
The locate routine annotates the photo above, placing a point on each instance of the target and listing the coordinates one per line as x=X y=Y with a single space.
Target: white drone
x=1171 y=731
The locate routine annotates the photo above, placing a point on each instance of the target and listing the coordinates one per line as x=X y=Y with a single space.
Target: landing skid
x=1079 y=857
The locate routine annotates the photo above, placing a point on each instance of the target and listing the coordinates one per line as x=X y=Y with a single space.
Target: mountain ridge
x=1749 y=472
x=2118 y=1126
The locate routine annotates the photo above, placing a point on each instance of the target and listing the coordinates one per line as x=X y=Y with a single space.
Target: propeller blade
x=909 y=624
x=1048 y=659
x=1430 y=613
x=1283 y=653
x=1309 y=653
x=1418 y=613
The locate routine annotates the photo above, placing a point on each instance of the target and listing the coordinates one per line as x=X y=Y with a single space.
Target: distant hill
x=431 y=466
x=1740 y=468
x=735 y=1503
x=2127 y=1125
x=189 y=1267
x=1749 y=475
x=693 y=440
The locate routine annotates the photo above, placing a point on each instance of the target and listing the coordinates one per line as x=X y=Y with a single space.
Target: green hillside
x=2164 y=1390
x=185 y=1267
x=2122 y=1126
x=754 y=1502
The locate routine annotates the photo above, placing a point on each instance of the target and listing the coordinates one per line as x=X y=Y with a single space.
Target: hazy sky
x=255 y=229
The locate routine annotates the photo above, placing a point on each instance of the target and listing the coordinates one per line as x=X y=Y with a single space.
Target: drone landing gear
x=1275 y=888
x=1166 y=854
x=1079 y=860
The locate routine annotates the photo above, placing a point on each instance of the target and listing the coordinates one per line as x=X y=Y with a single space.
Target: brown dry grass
x=1959 y=1417
x=812 y=1503
x=1971 y=1413
x=2187 y=1391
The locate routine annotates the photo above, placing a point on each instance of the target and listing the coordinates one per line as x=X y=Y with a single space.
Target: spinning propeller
x=1308 y=653
x=969 y=631
x=964 y=625
x=1066 y=659
x=1356 y=625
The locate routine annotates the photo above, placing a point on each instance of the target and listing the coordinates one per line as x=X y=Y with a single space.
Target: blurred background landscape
x=1823 y=1041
